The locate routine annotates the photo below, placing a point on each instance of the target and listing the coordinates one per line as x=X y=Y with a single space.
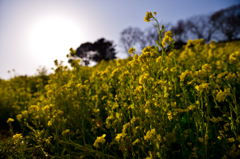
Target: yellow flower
x=24 y=113
x=65 y=131
x=231 y=139
x=19 y=117
x=148 y=17
x=234 y=57
x=10 y=120
x=212 y=44
x=155 y=13
x=49 y=123
x=183 y=75
x=219 y=137
x=131 y=50
x=99 y=140
x=158 y=59
x=238 y=138
x=143 y=78
x=136 y=141
x=168 y=34
x=200 y=139
x=224 y=157
x=191 y=107
x=170 y=117
x=46 y=109
x=226 y=126
x=215 y=120
x=207 y=68
x=118 y=137
x=33 y=108
x=202 y=87
x=125 y=126
x=16 y=138
x=221 y=96
x=167 y=39
x=150 y=134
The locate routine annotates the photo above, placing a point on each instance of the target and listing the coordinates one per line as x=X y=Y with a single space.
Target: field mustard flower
x=202 y=87
x=131 y=50
x=226 y=126
x=231 y=139
x=16 y=138
x=19 y=117
x=33 y=109
x=136 y=141
x=234 y=57
x=65 y=131
x=191 y=107
x=150 y=134
x=148 y=17
x=25 y=113
x=221 y=96
x=216 y=120
x=99 y=140
x=207 y=68
x=10 y=120
x=183 y=75
x=158 y=59
x=46 y=109
x=200 y=139
x=120 y=136
x=170 y=117
x=50 y=123
x=167 y=38
x=224 y=157
x=212 y=44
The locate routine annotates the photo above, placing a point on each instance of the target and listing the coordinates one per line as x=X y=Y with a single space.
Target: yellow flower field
x=164 y=103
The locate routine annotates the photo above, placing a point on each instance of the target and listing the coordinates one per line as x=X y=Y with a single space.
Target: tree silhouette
x=129 y=37
x=135 y=37
x=227 y=22
x=180 y=34
x=201 y=27
x=100 y=50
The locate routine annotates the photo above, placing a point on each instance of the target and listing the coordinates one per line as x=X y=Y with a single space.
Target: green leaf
x=224 y=109
x=184 y=119
x=191 y=136
x=225 y=118
x=186 y=152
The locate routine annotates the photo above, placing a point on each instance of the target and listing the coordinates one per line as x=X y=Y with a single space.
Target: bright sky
x=35 y=33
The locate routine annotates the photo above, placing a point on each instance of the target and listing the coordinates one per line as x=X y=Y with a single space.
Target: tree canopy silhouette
x=102 y=49
x=227 y=22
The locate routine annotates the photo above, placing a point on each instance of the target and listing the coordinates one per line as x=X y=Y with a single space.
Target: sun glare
x=51 y=38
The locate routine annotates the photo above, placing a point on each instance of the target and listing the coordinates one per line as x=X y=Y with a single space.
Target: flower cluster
x=99 y=140
x=148 y=16
x=167 y=38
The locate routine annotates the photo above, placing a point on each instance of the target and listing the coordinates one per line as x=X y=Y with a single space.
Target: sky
x=33 y=33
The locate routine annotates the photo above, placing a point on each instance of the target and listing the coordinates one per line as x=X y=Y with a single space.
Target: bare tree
x=135 y=37
x=129 y=37
x=201 y=27
x=180 y=34
x=227 y=22
x=151 y=35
